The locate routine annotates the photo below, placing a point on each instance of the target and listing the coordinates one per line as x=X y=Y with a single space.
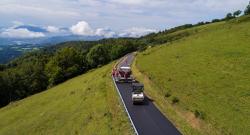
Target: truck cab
x=137 y=93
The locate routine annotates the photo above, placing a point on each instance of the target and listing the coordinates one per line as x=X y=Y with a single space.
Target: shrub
x=199 y=114
x=237 y=13
x=175 y=100
x=167 y=94
x=216 y=20
x=229 y=16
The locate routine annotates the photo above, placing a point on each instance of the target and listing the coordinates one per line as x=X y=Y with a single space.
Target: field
x=201 y=82
x=87 y=104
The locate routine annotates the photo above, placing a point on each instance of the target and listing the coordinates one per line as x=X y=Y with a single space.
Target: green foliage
x=98 y=55
x=216 y=20
x=247 y=10
x=69 y=108
x=167 y=94
x=35 y=71
x=175 y=100
x=66 y=63
x=229 y=16
x=199 y=114
x=2 y=67
x=237 y=13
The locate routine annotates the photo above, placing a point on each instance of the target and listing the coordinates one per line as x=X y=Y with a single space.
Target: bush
x=167 y=94
x=199 y=114
x=175 y=100
x=237 y=13
x=216 y=20
x=229 y=16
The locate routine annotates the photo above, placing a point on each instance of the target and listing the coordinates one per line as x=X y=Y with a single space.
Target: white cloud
x=53 y=29
x=107 y=33
x=130 y=2
x=136 y=32
x=82 y=28
x=20 y=33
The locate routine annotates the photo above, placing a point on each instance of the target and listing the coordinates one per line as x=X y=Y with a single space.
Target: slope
x=87 y=104
x=201 y=82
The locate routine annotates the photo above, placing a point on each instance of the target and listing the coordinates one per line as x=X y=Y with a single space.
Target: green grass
x=87 y=104
x=209 y=72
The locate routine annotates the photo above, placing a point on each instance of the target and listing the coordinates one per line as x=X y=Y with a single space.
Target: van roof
x=125 y=67
x=137 y=84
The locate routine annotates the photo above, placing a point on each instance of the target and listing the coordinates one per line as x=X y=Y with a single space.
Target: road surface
x=147 y=119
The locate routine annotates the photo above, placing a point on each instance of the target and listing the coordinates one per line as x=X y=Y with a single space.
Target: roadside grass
x=165 y=106
x=87 y=104
x=209 y=73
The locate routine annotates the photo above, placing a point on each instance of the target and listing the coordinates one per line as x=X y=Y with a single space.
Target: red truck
x=123 y=74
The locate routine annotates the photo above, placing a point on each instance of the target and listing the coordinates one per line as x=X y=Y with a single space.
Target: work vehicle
x=123 y=74
x=137 y=93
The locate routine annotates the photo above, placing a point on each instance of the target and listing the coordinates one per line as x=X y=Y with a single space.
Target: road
x=147 y=119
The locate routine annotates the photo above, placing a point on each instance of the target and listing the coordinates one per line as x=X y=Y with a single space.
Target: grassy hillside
x=87 y=104
x=201 y=82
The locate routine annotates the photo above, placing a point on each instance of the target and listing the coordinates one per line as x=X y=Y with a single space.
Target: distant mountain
x=59 y=39
x=32 y=28
x=50 y=38
x=46 y=40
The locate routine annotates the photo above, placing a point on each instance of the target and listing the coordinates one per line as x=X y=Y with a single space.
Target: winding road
x=146 y=118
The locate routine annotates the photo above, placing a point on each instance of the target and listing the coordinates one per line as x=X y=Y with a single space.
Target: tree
x=237 y=13
x=229 y=16
x=2 y=67
x=98 y=55
x=33 y=77
x=216 y=20
x=3 y=91
x=247 y=10
x=66 y=63
x=54 y=73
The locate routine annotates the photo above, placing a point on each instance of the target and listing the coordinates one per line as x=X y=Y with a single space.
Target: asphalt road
x=147 y=119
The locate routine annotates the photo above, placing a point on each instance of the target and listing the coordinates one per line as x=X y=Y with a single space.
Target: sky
x=107 y=17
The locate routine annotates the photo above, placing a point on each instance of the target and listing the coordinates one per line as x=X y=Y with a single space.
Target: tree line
x=37 y=71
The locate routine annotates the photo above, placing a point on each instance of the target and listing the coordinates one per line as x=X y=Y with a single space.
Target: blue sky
x=91 y=17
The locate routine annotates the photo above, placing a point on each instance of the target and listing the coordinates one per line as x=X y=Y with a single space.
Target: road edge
x=131 y=121
x=126 y=110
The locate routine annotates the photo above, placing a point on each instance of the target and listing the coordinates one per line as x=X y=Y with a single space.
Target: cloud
x=20 y=33
x=53 y=29
x=82 y=28
x=136 y=32
x=130 y=2
x=120 y=14
x=105 y=32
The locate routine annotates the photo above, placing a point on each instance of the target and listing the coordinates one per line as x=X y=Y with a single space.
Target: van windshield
x=137 y=92
x=138 y=89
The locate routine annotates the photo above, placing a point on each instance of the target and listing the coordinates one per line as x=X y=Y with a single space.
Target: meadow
x=87 y=104
x=201 y=82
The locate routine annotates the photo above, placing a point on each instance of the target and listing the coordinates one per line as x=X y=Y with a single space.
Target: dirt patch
x=194 y=122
